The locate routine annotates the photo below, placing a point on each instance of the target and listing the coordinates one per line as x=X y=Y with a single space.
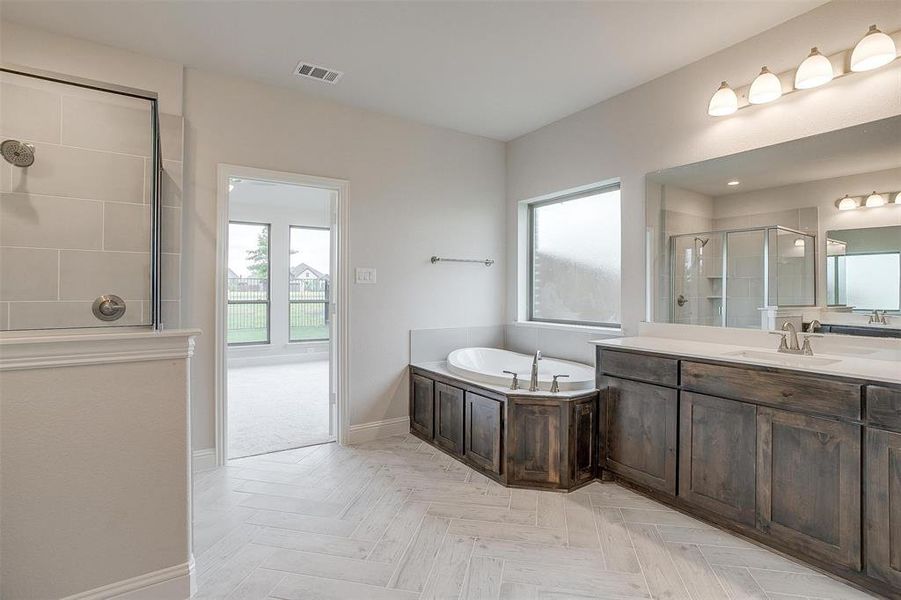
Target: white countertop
x=440 y=368
x=867 y=363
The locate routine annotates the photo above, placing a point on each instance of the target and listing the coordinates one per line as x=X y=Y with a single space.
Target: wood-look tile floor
x=396 y=519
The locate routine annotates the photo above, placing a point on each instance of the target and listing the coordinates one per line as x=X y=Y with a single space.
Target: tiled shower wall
x=76 y=224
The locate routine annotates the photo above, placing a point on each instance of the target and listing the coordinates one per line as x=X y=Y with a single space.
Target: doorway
x=279 y=312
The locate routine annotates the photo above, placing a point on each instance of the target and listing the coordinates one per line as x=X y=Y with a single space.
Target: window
x=574 y=258
x=870 y=281
x=308 y=284
x=248 y=283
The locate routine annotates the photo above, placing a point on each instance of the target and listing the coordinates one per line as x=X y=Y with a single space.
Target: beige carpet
x=275 y=407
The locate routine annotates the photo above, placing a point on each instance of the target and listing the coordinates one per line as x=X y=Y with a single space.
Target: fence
x=308 y=309
x=248 y=310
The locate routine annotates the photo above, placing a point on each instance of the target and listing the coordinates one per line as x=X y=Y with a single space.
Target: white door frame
x=338 y=347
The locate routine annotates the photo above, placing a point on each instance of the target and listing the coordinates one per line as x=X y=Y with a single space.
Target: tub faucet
x=533 y=381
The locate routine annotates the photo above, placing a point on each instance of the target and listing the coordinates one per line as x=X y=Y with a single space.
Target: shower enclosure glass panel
x=745 y=251
x=725 y=278
x=698 y=279
x=79 y=235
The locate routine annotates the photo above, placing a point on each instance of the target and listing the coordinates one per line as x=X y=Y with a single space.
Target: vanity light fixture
x=874 y=200
x=876 y=49
x=734 y=182
x=765 y=88
x=873 y=51
x=847 y=203
x=816 y=70
x=724 y=102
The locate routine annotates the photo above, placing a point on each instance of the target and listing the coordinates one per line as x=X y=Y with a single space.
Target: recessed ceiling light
x=733 y=182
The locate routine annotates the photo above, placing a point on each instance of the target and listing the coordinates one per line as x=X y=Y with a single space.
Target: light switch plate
x=364 y=275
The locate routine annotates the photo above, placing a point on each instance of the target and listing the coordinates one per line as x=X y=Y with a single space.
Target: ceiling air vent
x=305 y=69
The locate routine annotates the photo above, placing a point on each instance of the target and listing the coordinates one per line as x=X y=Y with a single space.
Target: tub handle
x=514 y=385
x=555 y=387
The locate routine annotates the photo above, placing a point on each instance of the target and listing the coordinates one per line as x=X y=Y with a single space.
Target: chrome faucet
x=533 y=381
x=875 y=318
x=813 y=326
x=791 y=345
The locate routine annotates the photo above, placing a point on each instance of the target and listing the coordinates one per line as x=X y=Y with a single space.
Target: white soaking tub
x=487 y=365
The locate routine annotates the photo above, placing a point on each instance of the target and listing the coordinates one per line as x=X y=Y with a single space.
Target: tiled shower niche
x=77 y=223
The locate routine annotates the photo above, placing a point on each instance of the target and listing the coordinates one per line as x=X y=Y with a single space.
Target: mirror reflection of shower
x=16 y=153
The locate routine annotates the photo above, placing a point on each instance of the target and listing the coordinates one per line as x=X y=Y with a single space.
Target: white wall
x=281 y=206
x=664 y=123
x=47 y=51
x=414 y=191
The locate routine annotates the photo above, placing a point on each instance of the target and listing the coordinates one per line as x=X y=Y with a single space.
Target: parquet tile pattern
x=395 y=519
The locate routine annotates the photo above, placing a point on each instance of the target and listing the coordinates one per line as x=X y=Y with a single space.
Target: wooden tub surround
x=808 y=464
x=519 y=439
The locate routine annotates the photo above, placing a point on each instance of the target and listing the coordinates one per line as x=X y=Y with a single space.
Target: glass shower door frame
x=156 y=208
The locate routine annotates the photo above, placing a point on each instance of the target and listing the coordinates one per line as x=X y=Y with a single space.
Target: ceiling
x=498 y=69
x=854 y=150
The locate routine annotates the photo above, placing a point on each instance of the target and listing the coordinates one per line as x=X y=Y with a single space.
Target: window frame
x=290 y=302
x=530 y=261
x=228 y=302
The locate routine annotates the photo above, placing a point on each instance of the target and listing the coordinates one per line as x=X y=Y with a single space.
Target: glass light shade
x=814 y=71
x=875 y=200
x=724 y=102
x=873 y=51
x=799 y=243
x=765 y=88
x=847 y=203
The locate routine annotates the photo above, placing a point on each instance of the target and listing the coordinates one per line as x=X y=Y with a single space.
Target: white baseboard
x=203 y=459
x=366 y=432
x=171 y=583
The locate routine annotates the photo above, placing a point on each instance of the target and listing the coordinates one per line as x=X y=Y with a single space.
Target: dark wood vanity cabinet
x=882 y=490
x=718 y=455
x=807 y=464
x=808 y=484
x=422 y=406
x=449 y=417
x=482 y=431
x=640 y=431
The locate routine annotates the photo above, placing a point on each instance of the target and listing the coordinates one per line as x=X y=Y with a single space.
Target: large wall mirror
x=808 y=231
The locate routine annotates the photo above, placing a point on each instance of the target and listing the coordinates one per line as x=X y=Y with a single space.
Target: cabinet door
x=718 y=454
x=533 y=443
x=582 y=440
x=808 y=484
x=641 y=432
x=449 y=417
x=882 y=486
x=482 y=432
x=422 y=406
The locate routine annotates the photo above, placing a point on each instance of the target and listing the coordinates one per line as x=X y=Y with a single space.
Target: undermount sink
x=780 y=358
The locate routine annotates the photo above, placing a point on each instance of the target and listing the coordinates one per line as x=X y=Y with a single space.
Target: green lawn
x=247 y=323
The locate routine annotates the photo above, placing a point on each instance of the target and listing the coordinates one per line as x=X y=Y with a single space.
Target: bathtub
x=487 y=365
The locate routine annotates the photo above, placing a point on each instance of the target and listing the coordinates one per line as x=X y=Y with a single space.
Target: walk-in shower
x=89 y=209
x=726 y=277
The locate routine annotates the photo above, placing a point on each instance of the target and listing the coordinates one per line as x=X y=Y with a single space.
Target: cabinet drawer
x=884 y=407
x=784 y=390
x=653 y=369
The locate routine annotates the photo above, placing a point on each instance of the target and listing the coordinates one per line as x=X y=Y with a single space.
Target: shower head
x=702 y=240
x=17 y=153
